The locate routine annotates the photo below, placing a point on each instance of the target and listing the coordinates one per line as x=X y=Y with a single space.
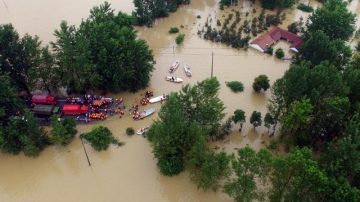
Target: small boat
x=174 y=66
x=174 y=79
x=157 y=99
x=187 y=70
x=142 y=131
x=147 y=113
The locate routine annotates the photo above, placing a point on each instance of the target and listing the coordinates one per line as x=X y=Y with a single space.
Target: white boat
x=174 y=66
x=147 y=113
x=174 y=79
x=157 y=99
x=142 y=131
x=187 y=70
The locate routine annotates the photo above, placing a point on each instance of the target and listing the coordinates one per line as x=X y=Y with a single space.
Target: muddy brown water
x=129 y=173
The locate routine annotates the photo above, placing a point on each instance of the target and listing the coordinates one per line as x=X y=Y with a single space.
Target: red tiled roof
x=275 y=35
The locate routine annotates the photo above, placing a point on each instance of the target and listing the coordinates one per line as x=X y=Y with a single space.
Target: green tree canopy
x=261 y=82
x=146 y=11
x=186 y=121
x=18 y=56
x=62 y=132
x=239 y=117
x=103 y=53
x=255 y=119
x=248 y=167
x=22 y=133
x=268 y=120
x=100 y=138
x=334 y=19
x=297 y=177
x=271 y=4
x=318 y=47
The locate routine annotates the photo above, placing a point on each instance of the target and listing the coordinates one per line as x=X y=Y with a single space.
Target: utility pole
x=212 y=64
x=85 y=151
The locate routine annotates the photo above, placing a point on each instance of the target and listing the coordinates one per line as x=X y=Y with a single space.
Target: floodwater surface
x=129 y=173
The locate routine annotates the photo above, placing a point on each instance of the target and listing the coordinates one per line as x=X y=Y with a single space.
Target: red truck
x=74 y=109
x=44 y=99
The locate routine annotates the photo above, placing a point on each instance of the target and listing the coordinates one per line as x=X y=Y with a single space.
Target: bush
x=173 y=30
x=358 y=47
x=130 y=131
x=294 y=28
x=180 y=39
x=279 y=53
x=269 y=50
x=100 y=138
x=305 y=8
x=235 y=86
x=198 y=16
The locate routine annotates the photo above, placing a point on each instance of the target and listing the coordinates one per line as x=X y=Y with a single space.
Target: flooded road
x=129 y=173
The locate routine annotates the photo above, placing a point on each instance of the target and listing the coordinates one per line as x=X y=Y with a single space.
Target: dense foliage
x=180 y=39
x=255 y=119
x=28 y=65
x=186 y=120
x=235 y=86
x=146 y=11
x=63 y=131
x=334 y=20
x=100 y=138
x=271 y=4
x=305 y=8
x=317 y=104
x=279 y=53
x=102 y=53
x=239 y=117
x=261 y=82
x=173 y=30
x=19 y=131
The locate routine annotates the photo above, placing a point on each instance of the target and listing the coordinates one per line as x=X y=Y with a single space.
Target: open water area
x=129 y=172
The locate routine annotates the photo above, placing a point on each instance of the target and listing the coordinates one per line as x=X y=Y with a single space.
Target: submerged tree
x=19 y=131
x=255 y=119
x=261 y=82
x=334 y=19
x=146 y=11
x=248 y=167
x=62 y=132
x=239 y=117
x=18 y=56
x=103 y=53
x=186 y=120
x=100 y=138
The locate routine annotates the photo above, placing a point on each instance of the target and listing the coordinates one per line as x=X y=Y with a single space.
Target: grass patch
x=305 y=8
x=235 y=86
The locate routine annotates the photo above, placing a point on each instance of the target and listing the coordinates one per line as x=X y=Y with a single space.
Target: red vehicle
x=74 y=109
x=44 y=99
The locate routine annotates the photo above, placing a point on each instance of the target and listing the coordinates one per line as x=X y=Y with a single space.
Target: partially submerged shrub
x=130 y=131
x=180 y=39
x=269 y=50
x=100 y=138
x=173 y=30
x=235 y=86
x=279 y=53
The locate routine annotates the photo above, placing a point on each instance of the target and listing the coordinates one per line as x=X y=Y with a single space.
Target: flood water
x=129 y=173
